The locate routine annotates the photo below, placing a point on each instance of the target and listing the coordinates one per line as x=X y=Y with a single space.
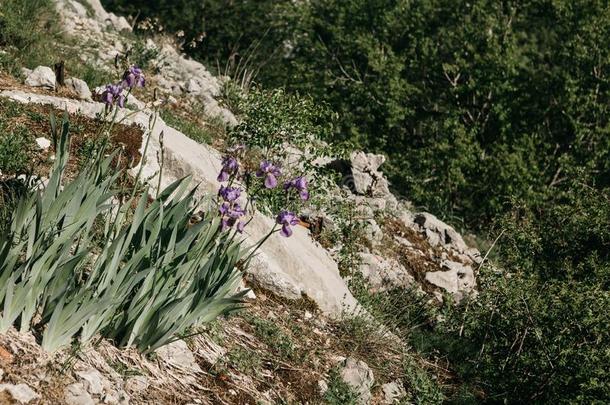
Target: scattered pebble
x=43 y=143
x=20 y=392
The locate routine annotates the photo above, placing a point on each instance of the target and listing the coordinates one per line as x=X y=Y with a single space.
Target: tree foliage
x=538 y=332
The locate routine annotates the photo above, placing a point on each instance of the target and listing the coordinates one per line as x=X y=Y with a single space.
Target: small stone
x=178 y=355
x=308 y=315
x=322 y=387
x=43 y=143
x=79 y=87
x=192 y=86
x=1 y=374
x=392 y=393
x=455 y=278
x=76 y=394
x=42 y=76
x=383 y=274
x=136 y=384
x=250 y=295
x=110 y=398
x=92 y=380
x=20 y=392
x=5 y=355
x=358 y=375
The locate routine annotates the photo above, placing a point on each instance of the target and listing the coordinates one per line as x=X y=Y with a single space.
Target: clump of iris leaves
x=74 y=266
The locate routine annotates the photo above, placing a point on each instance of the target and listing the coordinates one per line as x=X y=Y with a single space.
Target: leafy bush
x=481 y=100
x=485 y=101
x=141 y=276
x=538 y=332
x=16 y=149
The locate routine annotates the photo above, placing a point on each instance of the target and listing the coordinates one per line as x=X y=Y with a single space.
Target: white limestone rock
x=43 y=143
x=21 y=393
x=455 y=278
x=393 y=392
x=383 y=274
x=359 y=376
x=79 y=87
x=437 y=232
x=92 y=381
x=42 y=76
x=178 y=355
x=76 y=394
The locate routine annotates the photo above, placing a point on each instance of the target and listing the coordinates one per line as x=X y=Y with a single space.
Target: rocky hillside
x=304 y=334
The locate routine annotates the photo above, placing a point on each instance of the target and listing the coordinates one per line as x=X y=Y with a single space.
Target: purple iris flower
x=300 y=184
x=229 y=193
x=231 y=214
x=286 y=219
x=270 y=172
x=113 y=93
x=229 y=168
x=133 y=77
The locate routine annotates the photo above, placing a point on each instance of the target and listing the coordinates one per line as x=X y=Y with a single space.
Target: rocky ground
x=303 y=335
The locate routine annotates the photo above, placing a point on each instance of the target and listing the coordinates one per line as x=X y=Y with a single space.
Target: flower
x=299 y=183
x=133 y=77
x=229 y=168
x=229 y=193
x=231 y=213
x=112 y=94
x=270 y=172
x=286 y=219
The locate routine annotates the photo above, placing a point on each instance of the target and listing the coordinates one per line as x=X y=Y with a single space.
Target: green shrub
x=484 y=101
x=16 y=151
x=538 y=332
x=474 y=102
x=422 y=387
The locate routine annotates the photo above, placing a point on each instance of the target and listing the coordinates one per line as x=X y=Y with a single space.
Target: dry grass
x=283 y=349
x=83 y=130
